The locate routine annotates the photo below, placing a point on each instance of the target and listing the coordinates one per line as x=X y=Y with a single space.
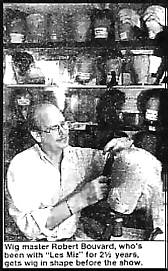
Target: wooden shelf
x=86 y=86
x=75 y=86
x=103 y=45
x=28 y=86
x=54 y=86
x=139 y=87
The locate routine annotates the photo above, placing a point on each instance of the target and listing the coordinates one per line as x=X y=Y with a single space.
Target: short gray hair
x=32 y=120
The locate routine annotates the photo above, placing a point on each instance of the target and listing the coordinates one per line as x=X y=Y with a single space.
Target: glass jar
x=36 y=24
x=103 y=24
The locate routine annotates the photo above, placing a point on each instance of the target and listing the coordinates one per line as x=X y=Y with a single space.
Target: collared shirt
x=35 y=185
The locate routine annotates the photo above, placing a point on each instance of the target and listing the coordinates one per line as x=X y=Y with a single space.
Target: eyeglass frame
x=56 y=128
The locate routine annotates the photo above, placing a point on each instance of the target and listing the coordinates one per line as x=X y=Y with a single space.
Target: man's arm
x=23 y=206
x=89 y=193
x=33 y=220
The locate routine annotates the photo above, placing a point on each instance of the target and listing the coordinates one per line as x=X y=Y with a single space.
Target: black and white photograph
x=85 y=134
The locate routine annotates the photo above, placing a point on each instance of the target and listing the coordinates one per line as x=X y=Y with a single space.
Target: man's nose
x=63 y=130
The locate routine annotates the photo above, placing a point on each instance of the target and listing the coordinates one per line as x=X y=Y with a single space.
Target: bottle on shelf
x=111 y=79
x=113 y=67
x=152 y=113
x=128 y=72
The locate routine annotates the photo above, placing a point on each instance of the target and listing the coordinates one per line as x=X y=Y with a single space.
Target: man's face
x=54 y=130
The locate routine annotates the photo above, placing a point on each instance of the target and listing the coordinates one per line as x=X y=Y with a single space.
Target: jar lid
x=119 y=219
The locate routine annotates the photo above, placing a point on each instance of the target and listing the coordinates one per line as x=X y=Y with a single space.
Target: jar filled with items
x=128 y=24
x=149 y=104
x=103 y=24
x=16 y=25
x=25 y=70
x=85 y=69
x=81 y=24
x=36 y=27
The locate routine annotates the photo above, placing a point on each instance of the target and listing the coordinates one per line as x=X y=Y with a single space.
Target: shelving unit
x=78 y=86
x=138 y=44
x=65 y=49
x=69 y=86
x=84 y=128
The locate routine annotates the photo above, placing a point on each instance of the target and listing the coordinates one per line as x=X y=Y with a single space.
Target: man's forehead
x=48 y=113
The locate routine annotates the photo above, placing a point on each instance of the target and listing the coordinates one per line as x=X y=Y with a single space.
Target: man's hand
x=118 y=144
x=89 y=193
x=94 y=191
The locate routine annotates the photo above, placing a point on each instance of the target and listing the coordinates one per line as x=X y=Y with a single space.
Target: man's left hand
x=118 y=144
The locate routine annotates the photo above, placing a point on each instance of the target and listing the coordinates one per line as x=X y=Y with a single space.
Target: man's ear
x=36 y=136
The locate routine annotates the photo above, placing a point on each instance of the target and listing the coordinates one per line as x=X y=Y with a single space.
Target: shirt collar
x=40 y=152
x=44 y=156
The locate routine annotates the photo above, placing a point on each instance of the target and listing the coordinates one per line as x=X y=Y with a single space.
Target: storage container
x=36 y=27
x=81 y=24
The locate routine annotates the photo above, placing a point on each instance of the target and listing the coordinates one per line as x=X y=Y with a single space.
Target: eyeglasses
x=57 y=128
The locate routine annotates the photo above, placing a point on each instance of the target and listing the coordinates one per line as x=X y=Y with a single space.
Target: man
x=50 y=183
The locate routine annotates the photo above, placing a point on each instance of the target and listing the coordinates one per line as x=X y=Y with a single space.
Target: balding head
x=48 y=128
x=42 y=116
